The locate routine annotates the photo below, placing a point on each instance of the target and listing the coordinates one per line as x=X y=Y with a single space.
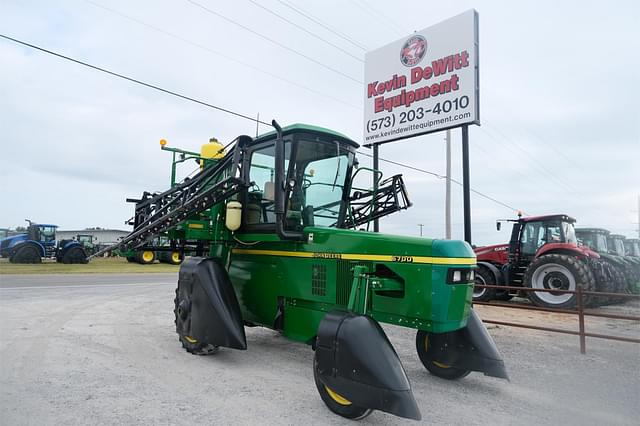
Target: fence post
x=583 y=348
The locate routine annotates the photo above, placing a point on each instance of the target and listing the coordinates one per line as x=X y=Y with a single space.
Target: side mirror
x=498 y=226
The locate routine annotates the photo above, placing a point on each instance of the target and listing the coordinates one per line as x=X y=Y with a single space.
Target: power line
x=301 y=28
x=323 y=25
x=541 y=170
x=215 y=52
x=133 y=80
x=277 y=43
x=379 y=16
x=439 y=176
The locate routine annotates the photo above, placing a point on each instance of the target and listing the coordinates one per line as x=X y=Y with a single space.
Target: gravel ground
x=102 y=350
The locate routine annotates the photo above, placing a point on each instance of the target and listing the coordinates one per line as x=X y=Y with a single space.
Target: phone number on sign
x=419 y=113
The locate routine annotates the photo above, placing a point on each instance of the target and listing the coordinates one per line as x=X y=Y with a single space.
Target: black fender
x=206 y=293
x=355 y=359
x=470 y=348
x=495 y=271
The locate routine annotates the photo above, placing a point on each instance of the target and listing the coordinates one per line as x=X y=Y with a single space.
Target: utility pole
x=638 y=216
x=447 y=196
x=421 y=225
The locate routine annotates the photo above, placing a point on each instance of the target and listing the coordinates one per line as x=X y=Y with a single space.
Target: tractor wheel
x=27 y=254
x=131 y=259
x=436 y=368
x=337 y=403
x=182 y=313
x=74 y=255
x=175 y=258
x=558 y=272
x=146 y=257
x=484 y=277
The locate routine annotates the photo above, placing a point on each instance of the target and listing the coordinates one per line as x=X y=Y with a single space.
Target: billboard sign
x=423 y=83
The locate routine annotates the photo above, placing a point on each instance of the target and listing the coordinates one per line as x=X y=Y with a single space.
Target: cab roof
x=593 y=231
x=618 y=237
x=562 y=217
x=308 y=128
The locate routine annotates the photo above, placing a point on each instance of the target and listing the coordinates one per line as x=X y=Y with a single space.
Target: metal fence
x=580 y=310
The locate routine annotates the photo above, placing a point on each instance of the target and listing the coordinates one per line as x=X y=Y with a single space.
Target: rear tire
x=436 y=368
x=27 y=254
x=337 y=403
x=561 y=272
x=484 y=277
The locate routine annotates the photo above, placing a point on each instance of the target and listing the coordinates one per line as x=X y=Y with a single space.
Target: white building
x=100 y=236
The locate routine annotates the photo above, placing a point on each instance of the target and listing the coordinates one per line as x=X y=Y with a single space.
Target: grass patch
x=102 y=265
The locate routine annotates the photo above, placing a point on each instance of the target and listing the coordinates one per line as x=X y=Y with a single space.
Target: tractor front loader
x=284 y=253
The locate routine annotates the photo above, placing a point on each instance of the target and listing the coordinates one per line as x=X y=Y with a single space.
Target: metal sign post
x=376 y=225
x=466 y=190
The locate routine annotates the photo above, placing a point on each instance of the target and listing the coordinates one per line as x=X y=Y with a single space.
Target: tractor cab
x=312 y=188
x=594 y=238
x=534 y=236
x=615 y=242
x=530 y=234
x=46 y=234
x=632 y=247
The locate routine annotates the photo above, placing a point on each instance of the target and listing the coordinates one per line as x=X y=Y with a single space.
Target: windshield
x=594 y=240
x=569 y=233
x=632 y=248
x=320 y=170
x=317 y=175
x=48 y=233
x=616 y=246
x=537 y=234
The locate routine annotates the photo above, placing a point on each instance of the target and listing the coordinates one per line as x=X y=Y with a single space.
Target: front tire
x=434 y=367
x=146 y=257
x=561 y=272
x=182 y=311
x=484 y=277
x=337 y=403
x=74 y=255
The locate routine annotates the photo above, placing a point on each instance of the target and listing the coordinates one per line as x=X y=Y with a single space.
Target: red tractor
x=543 y=253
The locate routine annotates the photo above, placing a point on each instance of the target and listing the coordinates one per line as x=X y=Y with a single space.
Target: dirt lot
x=101 y=349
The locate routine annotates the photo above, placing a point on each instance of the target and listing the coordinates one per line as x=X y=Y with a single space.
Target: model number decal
x=328 y=255
x=402 y=259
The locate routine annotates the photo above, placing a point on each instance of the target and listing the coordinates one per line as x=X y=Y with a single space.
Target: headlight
x=460 y=276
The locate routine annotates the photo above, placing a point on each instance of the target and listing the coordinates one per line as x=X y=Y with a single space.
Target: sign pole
x=376 y=167
x=465 y=183
x=447 y=197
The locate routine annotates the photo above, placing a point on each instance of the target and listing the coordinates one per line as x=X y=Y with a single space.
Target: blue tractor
x=40 y=241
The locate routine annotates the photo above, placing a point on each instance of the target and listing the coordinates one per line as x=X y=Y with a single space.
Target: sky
x=559 y=90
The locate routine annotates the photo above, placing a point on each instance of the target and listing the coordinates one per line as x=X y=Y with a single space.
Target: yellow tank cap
x=212 y=150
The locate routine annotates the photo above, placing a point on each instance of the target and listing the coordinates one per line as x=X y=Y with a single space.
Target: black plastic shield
x=356 y=360
x=206 y=291
x=470 y=348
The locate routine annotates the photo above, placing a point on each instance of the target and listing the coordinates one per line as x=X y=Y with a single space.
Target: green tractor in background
x=616 y=243
x=632 y=250
x=279 y=215
x=613 y=267
x=159 y=249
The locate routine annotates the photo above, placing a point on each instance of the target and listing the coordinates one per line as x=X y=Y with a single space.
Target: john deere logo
x=413 y=50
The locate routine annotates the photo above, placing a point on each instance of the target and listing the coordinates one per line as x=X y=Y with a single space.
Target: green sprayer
x=283 y=250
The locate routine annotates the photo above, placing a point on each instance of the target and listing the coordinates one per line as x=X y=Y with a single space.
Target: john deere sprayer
x=284 y=252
